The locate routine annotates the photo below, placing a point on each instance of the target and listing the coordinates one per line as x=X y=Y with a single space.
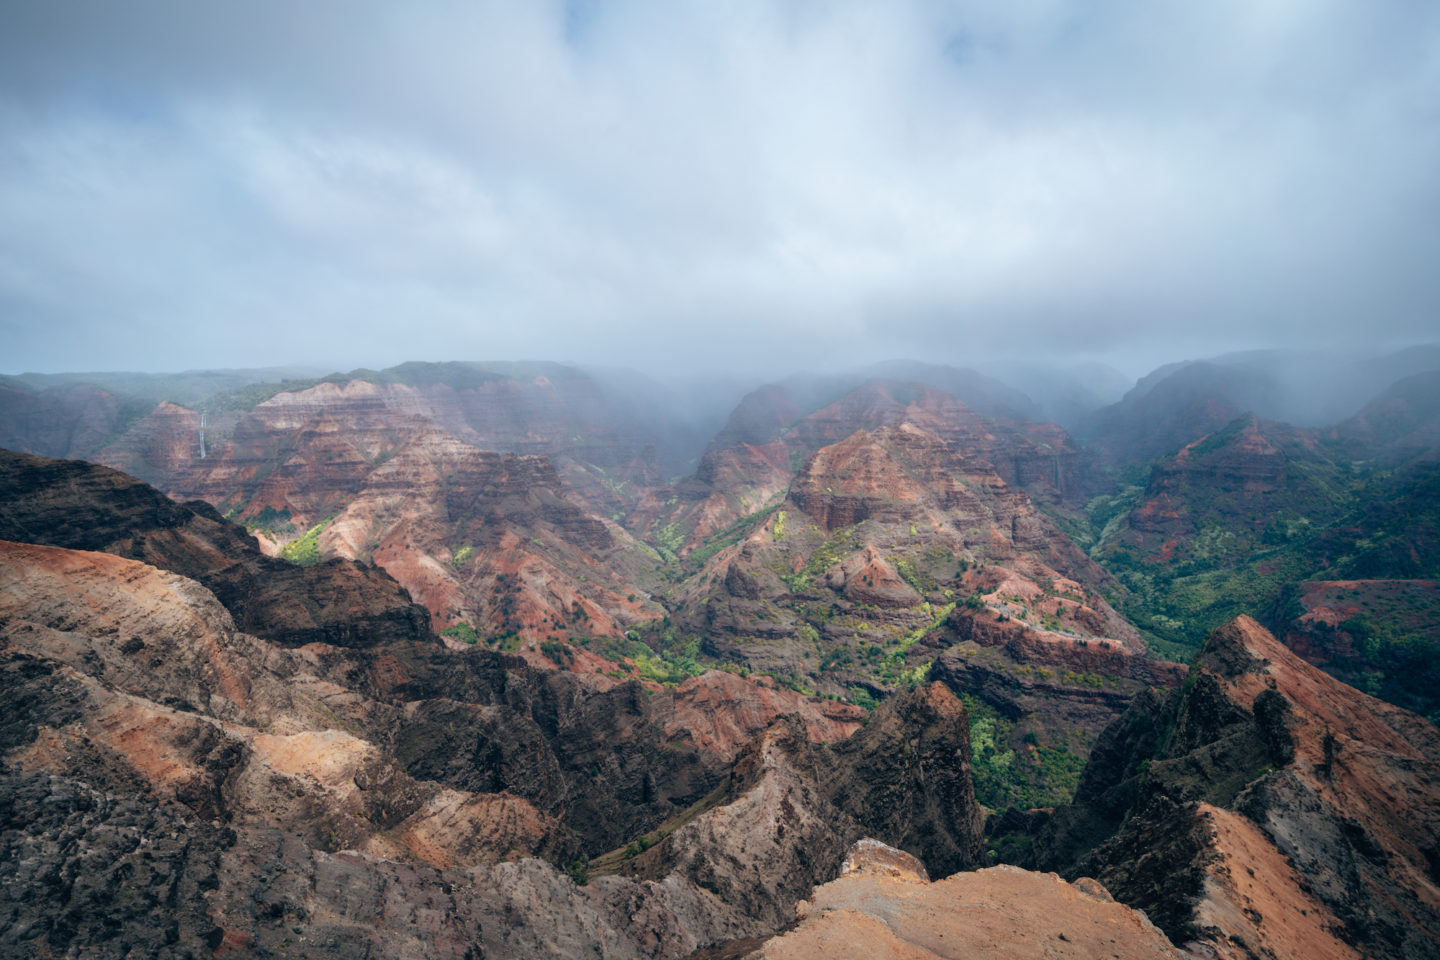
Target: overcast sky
x=682 y=184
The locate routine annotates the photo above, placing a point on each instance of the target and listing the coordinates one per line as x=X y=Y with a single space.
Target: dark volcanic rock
x=905 y=777
x=83 y=872
x=1260 y=807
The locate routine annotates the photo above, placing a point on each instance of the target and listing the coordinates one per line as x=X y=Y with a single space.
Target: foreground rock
x=883 y=906
x=171 y=786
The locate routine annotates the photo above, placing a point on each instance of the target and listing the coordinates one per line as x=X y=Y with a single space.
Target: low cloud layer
x=702 y=186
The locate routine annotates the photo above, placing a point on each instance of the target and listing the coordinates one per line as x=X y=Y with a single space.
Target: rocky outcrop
x=1060 y=687
x=895 y=546
x=1064 y=651
x=906 y=777
x=1259 y=811
x=883 y=906
x=771 y=436
x=81 y=506
x=721 y=712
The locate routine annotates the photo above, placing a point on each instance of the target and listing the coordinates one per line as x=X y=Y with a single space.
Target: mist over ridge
x=767 y=186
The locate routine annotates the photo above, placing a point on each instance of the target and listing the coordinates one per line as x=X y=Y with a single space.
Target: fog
x=694 y=189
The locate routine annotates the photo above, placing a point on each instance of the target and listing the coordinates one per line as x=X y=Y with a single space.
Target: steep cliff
x=1267 y=808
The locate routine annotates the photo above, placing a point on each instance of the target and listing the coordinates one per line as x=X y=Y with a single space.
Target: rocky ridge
x=1266 y=809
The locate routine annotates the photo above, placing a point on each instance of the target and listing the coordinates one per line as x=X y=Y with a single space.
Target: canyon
x=498 y=660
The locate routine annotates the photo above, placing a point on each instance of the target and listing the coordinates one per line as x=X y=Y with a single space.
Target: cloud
x=709 y=185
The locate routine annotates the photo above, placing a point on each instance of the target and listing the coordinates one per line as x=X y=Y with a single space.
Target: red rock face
x=857 y=479
x=164 y=444
x=486 y=539
x=309 y=449
x=307 y=452
x=723 y=712
x=769 y=438
x=478 y=538
x=1025 y=644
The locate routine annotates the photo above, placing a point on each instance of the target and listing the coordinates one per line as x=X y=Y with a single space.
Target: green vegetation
x=1013 y=771
x=1176 y=607
x=305 y=550
x=677 y=660
x=863 y=699
x=271 y=520
x=461 y=555
x=890 y=668
x=668 y=541
x=730 y=536
x=559 y=652
x=923 y=583
x=1386 y=645
x=462 y=632
x=829 y=553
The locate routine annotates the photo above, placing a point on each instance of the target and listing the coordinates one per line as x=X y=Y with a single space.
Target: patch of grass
x=677 y=660
x=559 y=652
x=462 y=632
x=668 y=540
x=305 y=549
x=730 y=536
x=825 y=556
x=271 y=520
